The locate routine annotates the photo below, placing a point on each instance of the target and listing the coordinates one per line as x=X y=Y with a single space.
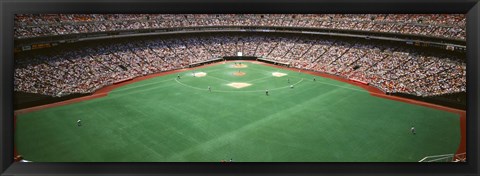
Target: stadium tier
x=434 y=25
x=85 y=68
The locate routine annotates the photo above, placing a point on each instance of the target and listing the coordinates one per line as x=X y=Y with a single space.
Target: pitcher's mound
x=239 y=85
x=239 y=66
x=200 y=74
x=278 y=74
x=239 y=73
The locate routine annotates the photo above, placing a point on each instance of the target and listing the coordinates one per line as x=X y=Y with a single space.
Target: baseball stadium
x=240 y=88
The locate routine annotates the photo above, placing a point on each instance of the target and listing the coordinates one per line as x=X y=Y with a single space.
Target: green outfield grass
x=165 y=119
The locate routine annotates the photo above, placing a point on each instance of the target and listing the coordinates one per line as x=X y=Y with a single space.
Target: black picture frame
x=10 y=7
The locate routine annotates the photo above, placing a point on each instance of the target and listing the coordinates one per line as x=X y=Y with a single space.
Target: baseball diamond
x=173 y=120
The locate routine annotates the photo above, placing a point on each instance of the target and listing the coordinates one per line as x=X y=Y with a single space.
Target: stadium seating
x=86 y=68
x=435 y=25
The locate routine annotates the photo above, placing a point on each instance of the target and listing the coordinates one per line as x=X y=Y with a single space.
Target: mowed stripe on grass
x=164 y=119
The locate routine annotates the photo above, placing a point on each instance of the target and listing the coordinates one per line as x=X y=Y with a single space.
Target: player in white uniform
x=413 y=130
x=79 y=122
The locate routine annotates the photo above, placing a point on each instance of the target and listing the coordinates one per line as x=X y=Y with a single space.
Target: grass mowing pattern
x=164 y=119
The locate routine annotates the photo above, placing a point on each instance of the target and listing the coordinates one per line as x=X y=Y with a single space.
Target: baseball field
x=176 y=118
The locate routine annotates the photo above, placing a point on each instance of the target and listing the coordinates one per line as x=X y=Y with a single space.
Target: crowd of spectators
x=65 y=70
x=437 y=25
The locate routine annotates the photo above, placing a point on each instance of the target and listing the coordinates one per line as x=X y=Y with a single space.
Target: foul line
x=359 y=90
x=153 y=83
